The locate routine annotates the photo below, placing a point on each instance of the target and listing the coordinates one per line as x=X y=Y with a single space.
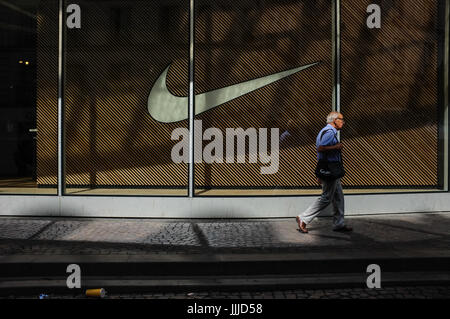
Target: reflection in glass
x=21 y=93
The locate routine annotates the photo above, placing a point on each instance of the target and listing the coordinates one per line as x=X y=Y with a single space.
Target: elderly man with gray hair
x=328 y=152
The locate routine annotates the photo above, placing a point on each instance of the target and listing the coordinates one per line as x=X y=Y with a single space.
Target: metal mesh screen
x=390 y=94
x=389 y=86
x=111 y=64
x=237 y=41
x=47 y=93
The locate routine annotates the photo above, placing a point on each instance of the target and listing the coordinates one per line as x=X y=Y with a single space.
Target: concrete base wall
x=217 y=207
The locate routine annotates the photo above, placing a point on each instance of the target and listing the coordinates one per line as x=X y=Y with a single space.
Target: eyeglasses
x=340 y=118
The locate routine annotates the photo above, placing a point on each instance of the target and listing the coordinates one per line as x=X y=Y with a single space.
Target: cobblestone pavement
x=27 y=235
x=413 y=292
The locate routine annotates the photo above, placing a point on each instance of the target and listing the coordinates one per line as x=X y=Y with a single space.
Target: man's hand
x=339 y=146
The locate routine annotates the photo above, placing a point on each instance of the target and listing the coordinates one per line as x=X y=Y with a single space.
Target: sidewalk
x=427 y=233
x=145 y=254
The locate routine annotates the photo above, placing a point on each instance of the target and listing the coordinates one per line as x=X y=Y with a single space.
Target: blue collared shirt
x=328 y=138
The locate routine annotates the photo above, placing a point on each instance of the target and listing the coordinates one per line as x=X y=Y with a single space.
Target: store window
x=28 y=96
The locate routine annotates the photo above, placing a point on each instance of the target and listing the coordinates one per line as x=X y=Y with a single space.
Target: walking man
x=328 y=148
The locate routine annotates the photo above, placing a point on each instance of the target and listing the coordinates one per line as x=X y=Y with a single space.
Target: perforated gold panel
x=112 y=63
x=238 y=41
x=47 y=93
x=390 y=94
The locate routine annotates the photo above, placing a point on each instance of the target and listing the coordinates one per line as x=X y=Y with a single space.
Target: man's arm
x=322 y=148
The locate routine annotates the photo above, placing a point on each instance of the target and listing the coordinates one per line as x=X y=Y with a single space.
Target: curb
x=132 y=273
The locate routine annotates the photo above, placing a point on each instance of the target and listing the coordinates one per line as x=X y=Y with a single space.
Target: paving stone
x=21 y=228
x=143 y=236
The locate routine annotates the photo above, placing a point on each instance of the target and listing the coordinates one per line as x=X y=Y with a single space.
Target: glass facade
x=390 y=95
x=239 y=41
x=113 y=144
x=265 y=75
x=29 y=44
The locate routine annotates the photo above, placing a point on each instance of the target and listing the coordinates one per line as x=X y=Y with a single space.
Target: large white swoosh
x=165 y=107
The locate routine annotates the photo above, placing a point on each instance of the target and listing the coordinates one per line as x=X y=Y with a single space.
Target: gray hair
x=332 y=117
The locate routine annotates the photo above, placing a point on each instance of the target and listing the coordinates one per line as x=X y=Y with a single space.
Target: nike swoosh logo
x=165 y=107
